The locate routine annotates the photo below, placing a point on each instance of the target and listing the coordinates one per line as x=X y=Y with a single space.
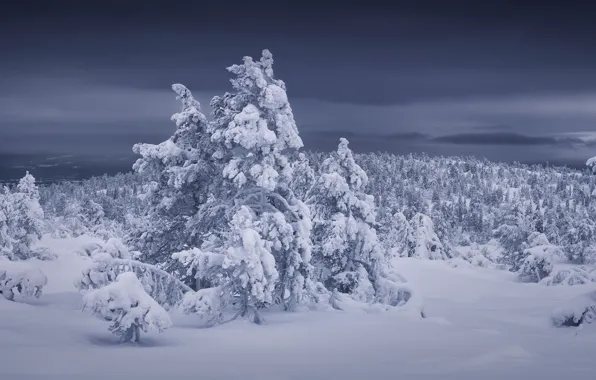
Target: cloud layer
x=73 y=116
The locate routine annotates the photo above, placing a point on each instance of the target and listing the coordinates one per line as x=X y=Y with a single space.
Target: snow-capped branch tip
x=343 y=143
x=266 y=61
x=591 y=163
x=185 y=96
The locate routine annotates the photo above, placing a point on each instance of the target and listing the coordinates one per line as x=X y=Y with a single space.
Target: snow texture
x=501 y=327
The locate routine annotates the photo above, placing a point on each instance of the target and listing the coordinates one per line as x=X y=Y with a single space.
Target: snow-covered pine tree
x=252 y=273
x=303 y=177
x=397 y=236
x=512 y=234
x=257 y=136
x=131 y=310
x=25 y=217
x=539 y=258
x=348 y=255
x=6 y=241
x=427 y=243
x=183 y=176
x=591 y=163
x=578 y=238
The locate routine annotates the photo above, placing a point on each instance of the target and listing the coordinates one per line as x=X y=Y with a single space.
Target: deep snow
x=481 y=324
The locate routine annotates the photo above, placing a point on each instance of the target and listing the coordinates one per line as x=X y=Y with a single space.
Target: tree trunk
x=257 y=318
x=136 y=333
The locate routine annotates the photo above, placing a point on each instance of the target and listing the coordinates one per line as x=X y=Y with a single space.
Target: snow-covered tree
x=513 y=234
x=397 y=236
x=538 y=258
x=591 y=163
x=257 y=136
x=303 y=177
x=6 y=241
x=182 y=176
x=131 y=310
x=244 y=270
x=348 y=254
x=25 y=217
x=427 y=243
x=579 y=238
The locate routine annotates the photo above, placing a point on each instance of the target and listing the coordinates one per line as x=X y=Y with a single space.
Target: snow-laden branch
x=166 y=289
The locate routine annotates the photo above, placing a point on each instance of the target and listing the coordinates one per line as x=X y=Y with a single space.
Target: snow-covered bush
x=116 y=248
x=21 y=279
x=427 y=243
x=207 y=303
x=536 y=266
x=538 y=260
x=131 y=310
x=570 y=276
x=392 y=291
x=475 y=255
x=578 y=311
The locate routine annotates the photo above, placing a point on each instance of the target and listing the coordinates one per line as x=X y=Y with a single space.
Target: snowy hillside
x=480 y=323
x=230 y=253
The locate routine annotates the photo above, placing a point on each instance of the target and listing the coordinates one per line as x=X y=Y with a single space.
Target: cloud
x=493 y=127
x=498 y=138
x=54 y=102
x=67 y=115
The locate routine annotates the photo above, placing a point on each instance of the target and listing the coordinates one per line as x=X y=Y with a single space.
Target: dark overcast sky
x=503 y=80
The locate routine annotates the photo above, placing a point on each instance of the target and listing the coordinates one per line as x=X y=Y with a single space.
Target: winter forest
x=233 y=224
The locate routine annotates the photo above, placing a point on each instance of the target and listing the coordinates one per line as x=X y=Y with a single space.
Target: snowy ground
x=481 y=325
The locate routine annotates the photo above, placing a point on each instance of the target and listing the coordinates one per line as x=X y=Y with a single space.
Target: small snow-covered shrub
x=16 y=278
x=537 y=264
x=115 y=248
x=475 y=255
x=578 y=311
x=392 y=293
x=206 y=303
x=125 y=303
x=569 y=276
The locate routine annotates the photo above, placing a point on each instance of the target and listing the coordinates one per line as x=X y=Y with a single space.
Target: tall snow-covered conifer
x=182 y=174
x=257 y=136
x=24 y=217
x=348 y=255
